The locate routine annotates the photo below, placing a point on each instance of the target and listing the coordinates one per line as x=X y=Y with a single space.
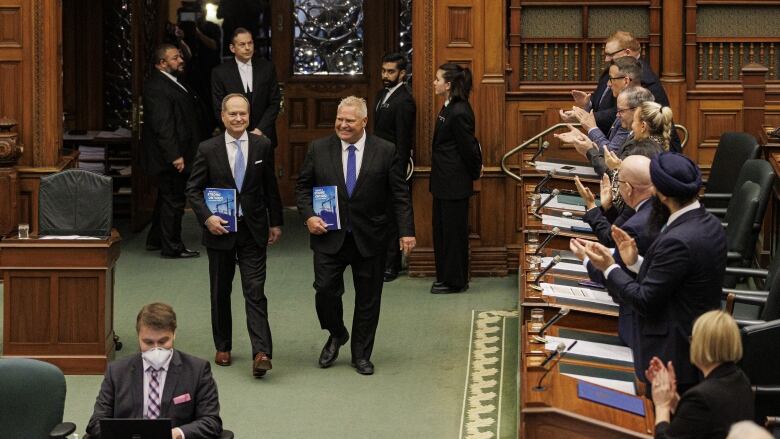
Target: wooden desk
x=58 y=301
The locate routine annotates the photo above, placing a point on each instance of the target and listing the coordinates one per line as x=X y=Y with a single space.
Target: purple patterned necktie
x=153 y=406
x=351 y=170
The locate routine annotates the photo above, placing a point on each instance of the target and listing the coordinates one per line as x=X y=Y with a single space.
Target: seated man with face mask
x=160 y=382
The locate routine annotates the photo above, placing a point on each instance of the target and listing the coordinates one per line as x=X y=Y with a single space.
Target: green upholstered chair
x=32 y=400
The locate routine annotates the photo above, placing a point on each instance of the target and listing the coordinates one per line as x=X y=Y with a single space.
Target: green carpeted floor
x=421 y=352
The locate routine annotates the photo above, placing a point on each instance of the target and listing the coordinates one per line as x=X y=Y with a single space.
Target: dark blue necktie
x=351 y=170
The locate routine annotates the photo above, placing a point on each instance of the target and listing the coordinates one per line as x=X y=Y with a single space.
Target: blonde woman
x=723 y=398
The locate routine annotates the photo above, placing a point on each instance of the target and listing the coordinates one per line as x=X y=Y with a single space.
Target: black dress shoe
x=153 y=247
x=390 y=275
x=363 y=366
x=438 y=284
x=186 y=253
x=331 y=350
x=446 y=289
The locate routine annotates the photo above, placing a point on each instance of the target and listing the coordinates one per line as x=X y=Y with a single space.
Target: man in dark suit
x=242 y=161
x=255 y=78
x=171 y=133
x=636 y=189
x=160 y=382
x=681 y=273
x=394 y=117
x=366 y=172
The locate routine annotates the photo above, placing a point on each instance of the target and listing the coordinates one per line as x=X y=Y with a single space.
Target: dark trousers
x=451 y=241
x=165 y=230
x=329 y=289
x=393 y=255
x=251 y=264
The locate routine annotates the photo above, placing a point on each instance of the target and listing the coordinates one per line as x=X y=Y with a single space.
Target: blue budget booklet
x=325 y=201
x=222 y=203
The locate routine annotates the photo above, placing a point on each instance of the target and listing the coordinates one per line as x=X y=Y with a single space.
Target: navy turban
x=675 y=175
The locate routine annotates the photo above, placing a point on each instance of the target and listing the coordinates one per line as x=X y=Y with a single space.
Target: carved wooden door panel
x=323 y=51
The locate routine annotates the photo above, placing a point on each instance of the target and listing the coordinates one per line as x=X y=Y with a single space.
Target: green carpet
x=420 y=354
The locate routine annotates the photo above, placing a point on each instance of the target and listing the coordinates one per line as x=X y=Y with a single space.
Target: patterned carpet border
x=481 y=415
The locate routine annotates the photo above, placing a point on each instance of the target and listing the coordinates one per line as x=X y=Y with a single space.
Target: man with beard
x=171 y=133
x=679 y=277
x=394 y=117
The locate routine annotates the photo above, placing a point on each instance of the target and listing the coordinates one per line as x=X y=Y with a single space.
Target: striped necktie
x=153 y=404
x=351 y=169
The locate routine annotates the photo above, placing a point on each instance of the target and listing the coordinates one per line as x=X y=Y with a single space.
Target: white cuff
x=609 y=270
x=636 y=265
x=585 y=262
x=180 y=431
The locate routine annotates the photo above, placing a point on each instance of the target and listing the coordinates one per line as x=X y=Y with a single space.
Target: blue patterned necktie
x=239 y=168
x=153 y=406
x=351 y=170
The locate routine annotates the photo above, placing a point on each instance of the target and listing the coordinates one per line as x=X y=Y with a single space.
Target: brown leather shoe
x=222 y=358
x=261 y=365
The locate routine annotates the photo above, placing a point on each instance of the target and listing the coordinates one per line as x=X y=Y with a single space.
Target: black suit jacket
x=379 y=179
x=453 y=153
x=259 y=197
x=636 y=226
x=172 y=124
x=265 y=96
x=708 y=410
x=680 y=279
x=394 y=120
x=122 y=395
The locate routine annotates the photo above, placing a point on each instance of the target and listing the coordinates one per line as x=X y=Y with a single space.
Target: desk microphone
x=544 y=181
x=558 y=349
x=549 y=198
x=561 y=314
x=539 y=151
x=535 y=285
x=559 y=352
x=547 y=240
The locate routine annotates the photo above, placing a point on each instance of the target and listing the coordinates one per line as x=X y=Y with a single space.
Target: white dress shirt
x=360 y=146
x=161 y=375
x=245 y=70
x=230 y=144
x=173 y=78
x=391 y=91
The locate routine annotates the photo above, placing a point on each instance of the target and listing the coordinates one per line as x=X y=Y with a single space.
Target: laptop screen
x=135 y=428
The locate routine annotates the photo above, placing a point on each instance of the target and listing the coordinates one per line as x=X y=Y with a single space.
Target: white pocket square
x=258 y=162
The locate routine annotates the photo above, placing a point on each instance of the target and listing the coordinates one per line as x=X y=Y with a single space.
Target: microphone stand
x=544 y=181
x=535 y=285
x=564 y=311
x=547 y=240
x=549 y=198
x=538 y=152
x=539 y=387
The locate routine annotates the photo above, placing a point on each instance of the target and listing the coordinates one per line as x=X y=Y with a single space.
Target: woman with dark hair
x=455 y=162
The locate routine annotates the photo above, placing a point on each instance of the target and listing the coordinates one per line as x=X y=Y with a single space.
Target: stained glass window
x=328 y=37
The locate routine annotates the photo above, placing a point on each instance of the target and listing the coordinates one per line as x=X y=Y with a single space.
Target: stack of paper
x=584 y=348
x=96 y=153
x=556 y=203
x=620 y=386
x=96 y=167
x=577 y=295
x=565 y=266
x=565 y=223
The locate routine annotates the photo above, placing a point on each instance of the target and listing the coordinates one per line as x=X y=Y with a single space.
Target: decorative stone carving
x=10 y=151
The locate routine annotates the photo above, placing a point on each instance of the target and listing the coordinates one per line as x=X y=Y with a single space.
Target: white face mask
x=157 y=356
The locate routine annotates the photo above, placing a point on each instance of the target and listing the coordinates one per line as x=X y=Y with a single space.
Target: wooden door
x=147 y=28
x=309 y=101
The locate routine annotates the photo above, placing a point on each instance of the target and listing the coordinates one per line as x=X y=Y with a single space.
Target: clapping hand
x=612 y=160
x=664 y=384
x=567 y=116
x=600 y=256
x=580 y=141
x=577 y=246
x=585 y=193
x=580 y=98
x=587 y=119
x=626 y=246
x=605 y=192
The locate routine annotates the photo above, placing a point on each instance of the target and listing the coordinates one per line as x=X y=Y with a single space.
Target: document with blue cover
x=222 y=203
x=325 y=201
x=611 y=398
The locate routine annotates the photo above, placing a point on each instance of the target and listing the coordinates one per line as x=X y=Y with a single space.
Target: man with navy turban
x=679 y=277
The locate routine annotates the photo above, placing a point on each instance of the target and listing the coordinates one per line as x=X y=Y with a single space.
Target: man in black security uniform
x=394 y=117
x=172 y=130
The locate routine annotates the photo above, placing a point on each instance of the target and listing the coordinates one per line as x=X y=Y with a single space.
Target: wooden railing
x=563 y=60
x=719 y=59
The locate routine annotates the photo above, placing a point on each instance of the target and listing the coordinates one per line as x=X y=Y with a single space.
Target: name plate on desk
x=611 y=398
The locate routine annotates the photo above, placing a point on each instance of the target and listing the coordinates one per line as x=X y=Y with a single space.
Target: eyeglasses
x=612 y=78
x=621 y=111
x=610 y=55
x=624 y=182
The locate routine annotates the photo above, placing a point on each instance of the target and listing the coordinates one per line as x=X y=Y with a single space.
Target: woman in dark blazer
x=724 y=397
x=455 y=159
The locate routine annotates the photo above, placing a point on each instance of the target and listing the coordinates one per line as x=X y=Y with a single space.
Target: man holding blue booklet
x=354 y=175
x=238 y=165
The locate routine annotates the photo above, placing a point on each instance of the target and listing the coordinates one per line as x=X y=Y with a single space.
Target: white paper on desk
x=555 y=204
x=578 y=294
x=564 y=266
x=68 y=237
x=564 y=169
x=620 y=386
x=584 y=348
x=565 y=223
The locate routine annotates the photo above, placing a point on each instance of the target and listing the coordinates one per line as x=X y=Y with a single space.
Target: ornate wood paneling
x=77 y=308
x=11 y=26
x=30 y=297
x=459 y=26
